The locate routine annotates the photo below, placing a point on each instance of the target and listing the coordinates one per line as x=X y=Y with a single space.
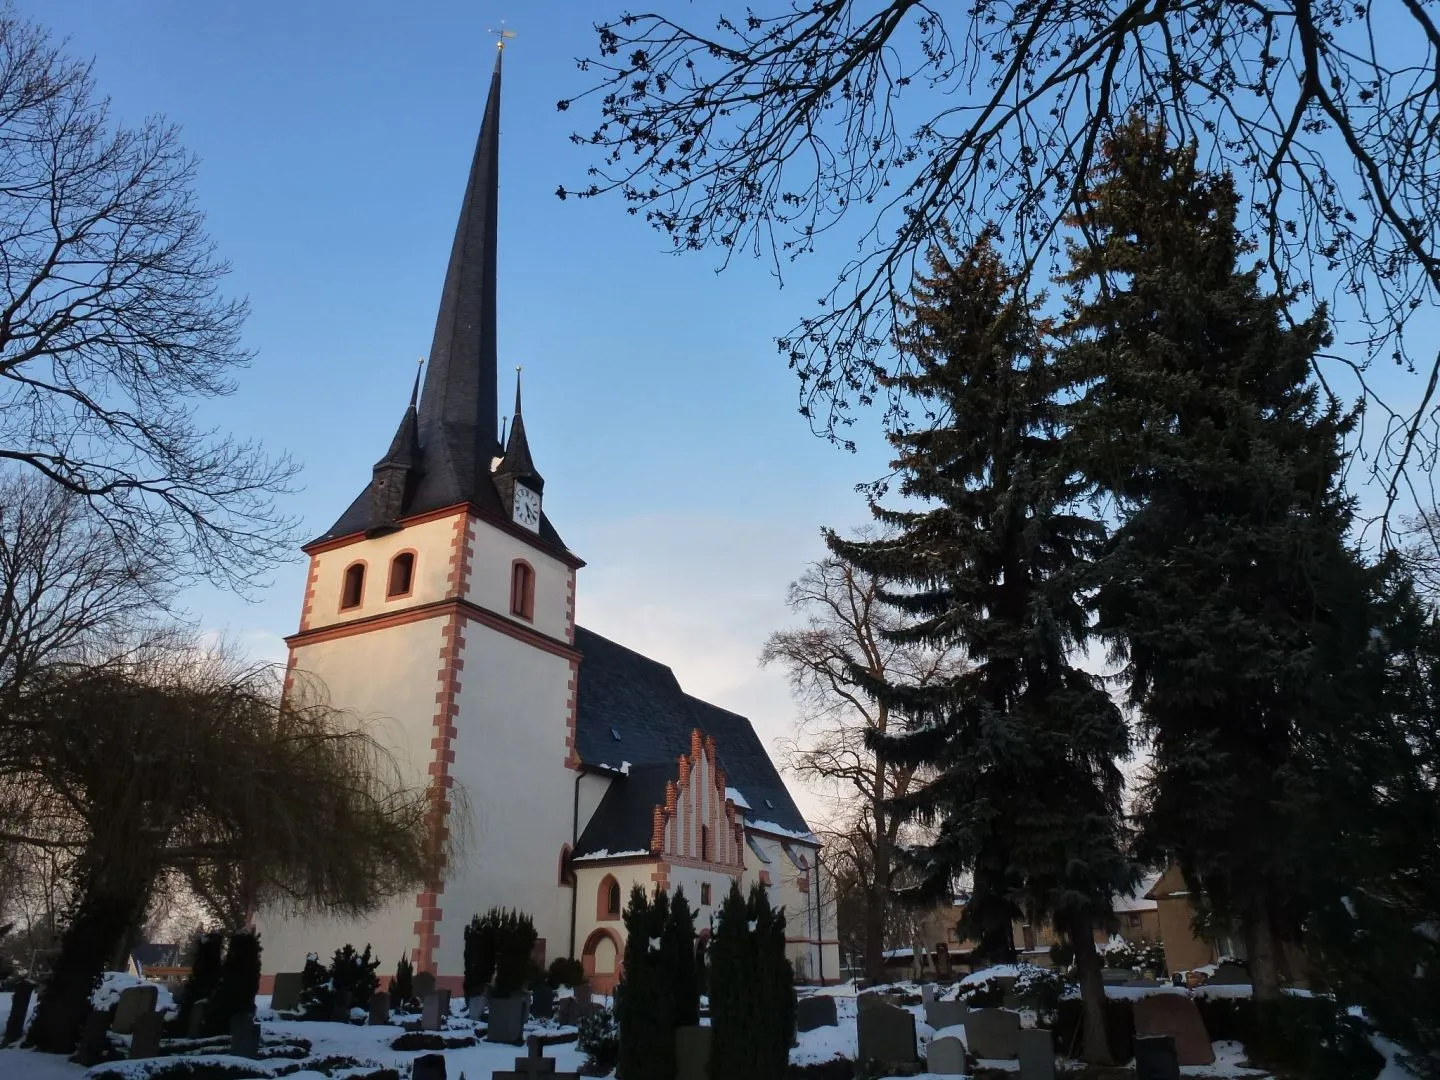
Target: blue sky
x=334 y=142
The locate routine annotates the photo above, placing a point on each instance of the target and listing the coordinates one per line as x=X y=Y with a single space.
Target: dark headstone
x=379 y=1008
x=1175 y=1015
x=872 y=997
x=1155 y=1058
x=428 y=1067
x=542 y=1000
x=944 y=1014
x=1229 y=975
x=946 y=1056
x=145 y=1038
x=991 y=1033
x=435 y=1010
x=886 y=1034
x=532 y=1066
x=942 y=961
x=692 y=1052
x=94 y=1039
x=19 y=1007
x=927 y=993
x=285 y=997
x=475 y=1007
x=244 y=1036
x=582 y=994
x=507 y=1020
x=815 y=1012
x=1037 y=1054
x=424 y=984
x=1141 y=984
x=135 y=1002
x=195 y=1026
x=1116 y=976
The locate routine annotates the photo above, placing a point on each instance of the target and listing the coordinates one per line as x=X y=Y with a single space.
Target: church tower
x=440 y=608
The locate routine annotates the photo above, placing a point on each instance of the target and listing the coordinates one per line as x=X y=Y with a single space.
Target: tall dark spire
x=458 y=406
x=517 y=463
x=393 y=479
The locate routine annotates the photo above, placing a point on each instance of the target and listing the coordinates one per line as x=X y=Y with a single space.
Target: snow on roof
x=606 y=853
x=780 y=830
x=733 y=794
x=1135 y=899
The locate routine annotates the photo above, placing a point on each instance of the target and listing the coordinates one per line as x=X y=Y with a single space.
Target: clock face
x=527 y=508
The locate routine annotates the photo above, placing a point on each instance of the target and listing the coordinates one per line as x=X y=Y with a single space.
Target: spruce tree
x=1229 y=570
x=752 y=990
x=677 y=943
x=991 y=552
x=643 y=1008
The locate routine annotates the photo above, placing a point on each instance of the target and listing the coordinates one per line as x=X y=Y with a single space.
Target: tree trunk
x=1095 y=1037
x=1262 y=952
x=878 y=900
x=101 y=921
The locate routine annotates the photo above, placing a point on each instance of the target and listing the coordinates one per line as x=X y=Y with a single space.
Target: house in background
x=1138 y=912
x=1185 y=950
x=158 y=963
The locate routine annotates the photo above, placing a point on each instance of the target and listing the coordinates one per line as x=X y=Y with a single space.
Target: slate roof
x=630 y=708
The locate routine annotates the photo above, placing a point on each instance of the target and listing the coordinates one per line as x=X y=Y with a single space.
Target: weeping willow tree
x=167 y=763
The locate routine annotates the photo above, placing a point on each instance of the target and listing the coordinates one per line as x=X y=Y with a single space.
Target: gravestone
x=379 y=1008
x=886 y=1034
x=424 y=984
x=435 y=1010
x=244 y=1036
x=567 y=1012
x=1116 y=976
x=946 y=1056
x=530 y=1067
x=135 y=1002
x=944 y=1014
x=506 y=1023
x=19 y=1007
x=1229 y=975
x=927 y=993
x=542 y=1000
x=195 y=1026
x=692 y=1052
x=94 y=1039
x=1175 y=1015
x=475 y=1007
x=285 y=997
x=1155 y=1058
x=145 y=1039
x=1036 y=1049
x=582 y=995
x=1141 y=984
x=428 y=1067
x=993 y=1033
x=942 y=961
x=815 y=1012
x=871 y=998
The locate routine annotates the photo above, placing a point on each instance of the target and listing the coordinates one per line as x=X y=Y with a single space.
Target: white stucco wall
x=432 y=542
x=490 y=569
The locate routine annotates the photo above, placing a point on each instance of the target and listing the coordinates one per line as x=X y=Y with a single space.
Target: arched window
x=567 y=872
x=402 y=575
x=522 y=590
x=352 y=591
x=607 y=906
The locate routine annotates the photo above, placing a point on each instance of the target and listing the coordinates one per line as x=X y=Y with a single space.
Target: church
x=563 y=768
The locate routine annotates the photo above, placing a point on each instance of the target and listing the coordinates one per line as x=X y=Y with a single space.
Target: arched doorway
x=601 y=960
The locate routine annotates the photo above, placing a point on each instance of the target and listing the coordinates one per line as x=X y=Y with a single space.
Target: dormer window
x=522 y=590
x=402 y=575
x=352 y=589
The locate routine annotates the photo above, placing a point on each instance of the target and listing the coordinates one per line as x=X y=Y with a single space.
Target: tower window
x=352 y=590
x=402 y=575
x=522 y=590
x=704 y=843
x=705 y=893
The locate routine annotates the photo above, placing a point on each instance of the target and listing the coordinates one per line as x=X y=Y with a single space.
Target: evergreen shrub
x=565 y=971
x=599 y=1040
x=315 y=996
x=752 y=990
x=480 y=938
x=402 y=986
x=354 y=973
x=1312 y=1037
x=515 y=938
x=1119 y=1027
x=239 y=982
x=206 y=959
x=644 y=1011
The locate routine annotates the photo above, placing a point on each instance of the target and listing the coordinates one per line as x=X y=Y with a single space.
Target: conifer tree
x=239 y=982
x=643 y=1008
x=1021 y=747
x=402 y=986
x=206 y=960
x=752 y=990
x=677 y=943
x=1228 y=578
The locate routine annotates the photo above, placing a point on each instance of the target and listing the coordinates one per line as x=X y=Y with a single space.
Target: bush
x=1040 y=989
x=515 y=939
x=480 y=951
x=238 y=984
x=206 y=959
x=1230 y=1019
x=988 y=993
x=565 y=971
x=1314 y=1038
x=644 y=1010
x=677 y=946
x=354 y=973
x=402 y=986
x=599 y=1040
x=316 y=998
x=1119 y=1027
x=752 y=990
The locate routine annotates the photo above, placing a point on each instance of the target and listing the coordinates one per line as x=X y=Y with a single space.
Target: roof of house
x=1138 y=898
x=157 y=955
x=633 y=718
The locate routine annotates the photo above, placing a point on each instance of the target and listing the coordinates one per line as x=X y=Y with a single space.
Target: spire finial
x=415 y=390
x=504 y=422
x=501 y=36
x=518 y=369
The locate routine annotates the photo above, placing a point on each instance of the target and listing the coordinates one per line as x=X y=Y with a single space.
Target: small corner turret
x=518 y=481
x=393 y=476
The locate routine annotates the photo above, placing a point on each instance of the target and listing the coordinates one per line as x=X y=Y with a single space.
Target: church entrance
x=601 y=960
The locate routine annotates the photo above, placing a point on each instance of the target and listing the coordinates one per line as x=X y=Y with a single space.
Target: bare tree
x=845 y=630
x=112 y=325
x=768 y=130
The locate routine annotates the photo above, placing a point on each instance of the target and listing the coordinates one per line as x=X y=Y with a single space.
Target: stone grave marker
x=285 y=997
x=1155 y=1058
x=135 y=1002
x=692 y=1052
x=542 y=1000
x=1175 y=1015
x=942 y=961
x=582 y=994
x=927 y=993
x=567 y=1012
x=1036 y=1048
x=886 y=1034
x=195 y=1025
x=145 y=1038
x=530 y=1067
x=379 y=1008
x=871 y=998
x=428 y=1067
x=436 y=1009
x=424 y=984
x=993 y=1033
x=944 y=1014
x=94 y=1039
x=1116 y=976
x=19 y=1006
x=475 y=1007
x=244 y=1036
x=946 y=1056
x=815 y=1012
x=1230 y=975
x=1141 y=984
